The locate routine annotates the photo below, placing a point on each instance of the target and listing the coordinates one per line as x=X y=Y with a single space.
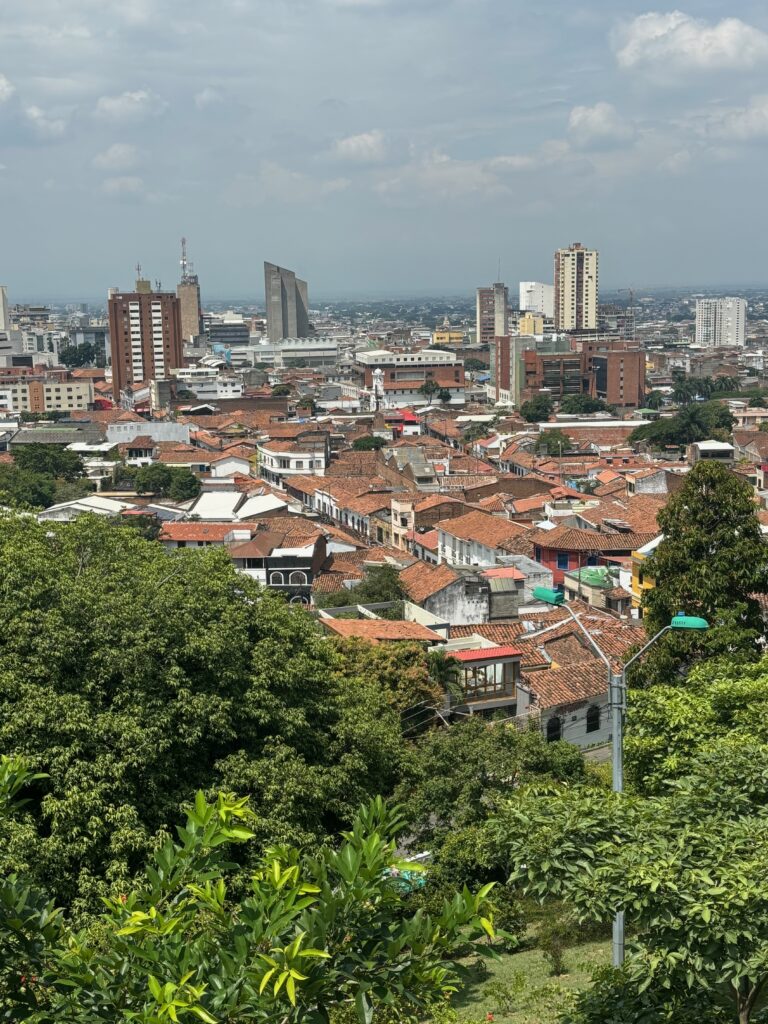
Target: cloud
x=122 y=186
x=130 y=106
x=679 y=42
x=44 y=127
x=281 y=184
x=366 y=148
x=438 y=176
x=207 y=97
x=597 y=126
x=120 y=156
x=741 y=123
x=6 y=89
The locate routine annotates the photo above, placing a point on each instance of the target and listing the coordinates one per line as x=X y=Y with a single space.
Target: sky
x=379 y=147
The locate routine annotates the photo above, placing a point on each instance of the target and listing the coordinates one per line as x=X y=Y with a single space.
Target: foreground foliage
x=311 y=933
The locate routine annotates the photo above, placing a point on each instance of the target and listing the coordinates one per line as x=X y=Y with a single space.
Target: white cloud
x=207 y=97
x=6 y=89
x=43 y=126
x=438 y=176
x=130 y=106
x=599 y=125
x=676 y=41
x=281 y=184
x=120 y=156
x=122 y=186
x=741 y=124
x=366 y=148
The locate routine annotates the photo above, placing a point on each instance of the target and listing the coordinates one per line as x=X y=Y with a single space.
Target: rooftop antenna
x=158 y=286
x=138 y=271
x=187 y=270
x=499 y=274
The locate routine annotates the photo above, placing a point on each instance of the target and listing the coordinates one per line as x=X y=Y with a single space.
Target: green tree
x=443 y=395
x=130 y=709
x=553 y=442
x=537 y=409
x=697 y=422
x=402 y=672
x=281 y=390
x=19 y=488
x=474 y=432
x=310 y=934
x=381 y=584
x=153 y=479
x=455 y=778
x=654 y=400
x=184 y=484
x=583 y=404
x=711 y=563
x=49 y=459
x=79 y=355
x=369 y=443
x=475 y=365
x=686 y=869
x=429 y=389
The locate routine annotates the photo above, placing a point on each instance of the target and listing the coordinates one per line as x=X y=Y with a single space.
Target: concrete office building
x=721 y=322
x=287 y=302
x=576 y=288
x=537 y=297
x=492 y=313
x=188 y=294
x=145 y=335
x=5 y=320
x=506 y=375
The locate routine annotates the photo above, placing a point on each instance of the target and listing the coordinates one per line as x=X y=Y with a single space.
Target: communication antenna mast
x=187 y=270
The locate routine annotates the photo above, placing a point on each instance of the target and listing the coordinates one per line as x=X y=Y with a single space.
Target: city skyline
x=279 y=130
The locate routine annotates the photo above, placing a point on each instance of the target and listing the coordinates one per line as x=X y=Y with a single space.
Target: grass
x=518 y=988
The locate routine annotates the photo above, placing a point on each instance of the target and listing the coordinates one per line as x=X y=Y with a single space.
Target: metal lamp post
x=617 y=690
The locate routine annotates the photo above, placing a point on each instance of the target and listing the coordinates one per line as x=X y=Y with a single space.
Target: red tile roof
x=486 y=654
x=421 y=580
x=378 y=630
x=491 y=531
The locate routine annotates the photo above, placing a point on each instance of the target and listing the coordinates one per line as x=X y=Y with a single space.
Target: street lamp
x=617 y=690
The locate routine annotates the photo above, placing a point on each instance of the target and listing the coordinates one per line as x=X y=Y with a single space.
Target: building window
x=562 y=560
x=554 y=729
x=276 y=579
x=537 y=553
x=593 y=718
x=298 y=579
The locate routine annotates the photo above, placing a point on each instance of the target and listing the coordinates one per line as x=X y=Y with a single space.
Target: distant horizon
x=415 y=296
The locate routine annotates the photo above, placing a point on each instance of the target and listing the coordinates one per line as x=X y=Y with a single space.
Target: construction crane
x=630 y=312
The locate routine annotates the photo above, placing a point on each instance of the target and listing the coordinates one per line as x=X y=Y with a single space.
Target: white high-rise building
x=537 y=297
x=576 y=288
x=721 y=323
x=5 y=319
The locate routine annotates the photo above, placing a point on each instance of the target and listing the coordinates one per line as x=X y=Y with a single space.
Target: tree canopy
x=583 y=404
x=711 y=562
x=369 y=443
x=700 y=421
x=537 y=409
x=174 y=482
x=300 y=937
x=49 y=459
x=133 y=677
x=80 y=355
x=553 y=442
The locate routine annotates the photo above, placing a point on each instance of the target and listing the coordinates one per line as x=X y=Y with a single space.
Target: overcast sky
x=379 y=146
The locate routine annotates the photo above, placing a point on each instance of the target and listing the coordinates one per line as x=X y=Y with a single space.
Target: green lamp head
x=693 y=622
x=548 y=596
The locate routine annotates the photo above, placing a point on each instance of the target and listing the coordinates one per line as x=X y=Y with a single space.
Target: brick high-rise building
x=492 y=313
x=145 y=335
x=614 y=372
x=576 y=288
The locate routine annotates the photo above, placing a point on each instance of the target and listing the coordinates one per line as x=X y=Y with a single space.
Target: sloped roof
x=491 y=531
x=378 y=630
x=566 y=538
x=572 y=685
x=420 y=580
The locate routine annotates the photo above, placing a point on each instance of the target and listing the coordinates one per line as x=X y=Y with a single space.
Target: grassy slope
x=543 y=997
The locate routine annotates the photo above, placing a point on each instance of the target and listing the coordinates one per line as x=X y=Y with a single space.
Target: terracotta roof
x=566 y=538
x=486 y=654
x=198 y=531
x=197 y=457
x=572 y=685
x=378 y=630
x=366 y=504
x=506 y=572
x=434 y=501
x=421 y=580
x=429 y=539
x=333 y=582
x=486 y=529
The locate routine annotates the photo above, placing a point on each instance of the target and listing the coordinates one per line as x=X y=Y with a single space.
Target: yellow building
x=641 y=582
x=530 y=324
x=448 y=337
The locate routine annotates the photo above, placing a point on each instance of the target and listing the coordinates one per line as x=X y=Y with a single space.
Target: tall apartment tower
x=188 y=294
x=5 y=319
x=576 y=288
x=721 y=322
x=144 y=334
x=537 y=297
x=287 y=304
x=492 y=313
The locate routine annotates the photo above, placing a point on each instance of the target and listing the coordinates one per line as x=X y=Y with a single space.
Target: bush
x=555 y=936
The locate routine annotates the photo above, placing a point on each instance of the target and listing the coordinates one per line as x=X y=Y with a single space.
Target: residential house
x=565 y=548
x=478 y=539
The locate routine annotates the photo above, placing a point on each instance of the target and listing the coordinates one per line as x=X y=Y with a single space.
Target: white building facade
x=537 y=297
x=721 y=323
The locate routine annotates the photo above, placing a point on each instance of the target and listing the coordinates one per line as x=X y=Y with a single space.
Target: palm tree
x=444 y=671
x=655 y=400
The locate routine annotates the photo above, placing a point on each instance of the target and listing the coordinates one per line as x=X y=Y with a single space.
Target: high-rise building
x=537 y=297
x=576 y=288
x=145 y=335
x=287 y=303
x=5 y=319
x=721 y=322
x=188 y=294
x=506 y=374
x=492 y=313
